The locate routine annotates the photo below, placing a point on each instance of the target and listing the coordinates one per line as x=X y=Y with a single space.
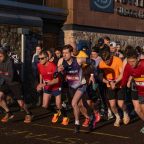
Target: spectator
x=102 y=46
x=106 y=40
x=58 y=55
x=35 y=61
x=115 y=51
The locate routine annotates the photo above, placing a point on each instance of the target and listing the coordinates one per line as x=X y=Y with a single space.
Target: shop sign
x=102 y=5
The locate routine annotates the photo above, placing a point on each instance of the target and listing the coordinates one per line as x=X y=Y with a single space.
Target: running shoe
x=28 y=119
x=55 y=117
x=97 y=117
x=92 y=123
x=142 y=130
x=117 y=122
x=104 y=115
x=65 y=121
x=86 y=122
x=77 y=128
x=7 y=117
x=110 y=114
x=126 y=120
x=94 y=120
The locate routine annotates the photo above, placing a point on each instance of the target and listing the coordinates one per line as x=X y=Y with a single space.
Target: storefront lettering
x=130 y=12
x=137 y=3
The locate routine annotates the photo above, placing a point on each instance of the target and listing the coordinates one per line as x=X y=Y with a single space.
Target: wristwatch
x=114 y=81
x=46 y=83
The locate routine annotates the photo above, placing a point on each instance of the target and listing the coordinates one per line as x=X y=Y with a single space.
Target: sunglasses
x=42 y=58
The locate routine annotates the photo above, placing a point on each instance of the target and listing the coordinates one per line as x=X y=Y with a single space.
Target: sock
x=125 y=114
x=77 y=122
x=117 y=116
x=88 y=117
x=29 y=113
x=64 y=112
x=8 y=112
x=58 y=111
x=109 y=111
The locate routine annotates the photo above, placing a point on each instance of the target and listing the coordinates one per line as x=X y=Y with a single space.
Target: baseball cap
x=100 y=41
x=95 y=48
x=113 y=44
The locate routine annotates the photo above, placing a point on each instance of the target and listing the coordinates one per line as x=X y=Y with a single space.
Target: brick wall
x=70 y=35
x=81 y=14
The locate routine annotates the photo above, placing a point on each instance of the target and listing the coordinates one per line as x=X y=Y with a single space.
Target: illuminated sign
x=102 y=5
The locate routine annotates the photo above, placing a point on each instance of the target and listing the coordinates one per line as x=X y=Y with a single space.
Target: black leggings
x=13 y=89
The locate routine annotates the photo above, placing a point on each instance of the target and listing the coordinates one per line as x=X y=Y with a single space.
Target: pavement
x=42 y=131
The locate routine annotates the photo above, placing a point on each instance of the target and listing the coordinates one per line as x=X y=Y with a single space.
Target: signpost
x=23 y=32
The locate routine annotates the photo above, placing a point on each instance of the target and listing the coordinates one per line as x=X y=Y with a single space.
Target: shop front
x=121 y=20
x=25 y=24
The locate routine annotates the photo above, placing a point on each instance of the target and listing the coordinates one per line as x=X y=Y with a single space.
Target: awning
x=20 y=20
x=41 y=11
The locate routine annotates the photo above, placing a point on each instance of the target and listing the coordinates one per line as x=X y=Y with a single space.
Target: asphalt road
x=41 y=131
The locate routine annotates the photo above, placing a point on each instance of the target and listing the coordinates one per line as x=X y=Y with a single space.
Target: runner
x=92 y=96
x=51 y=85
x=135 y=69
x=73 y=72
x=112 y=67
x=9 y=85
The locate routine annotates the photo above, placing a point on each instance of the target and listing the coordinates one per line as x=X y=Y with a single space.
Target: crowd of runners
x=98 y=81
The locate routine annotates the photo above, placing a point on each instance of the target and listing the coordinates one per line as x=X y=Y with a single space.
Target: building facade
x=42 y=20
x=27 y=23
x=55 y=22
x=121 y=20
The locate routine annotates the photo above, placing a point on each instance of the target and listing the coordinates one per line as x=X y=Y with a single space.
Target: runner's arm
x=120 y=76
x=60 y=61
x=40 y=79
x=60 y=67
x=105 y=81
x=129 y=81
x=52 y=82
